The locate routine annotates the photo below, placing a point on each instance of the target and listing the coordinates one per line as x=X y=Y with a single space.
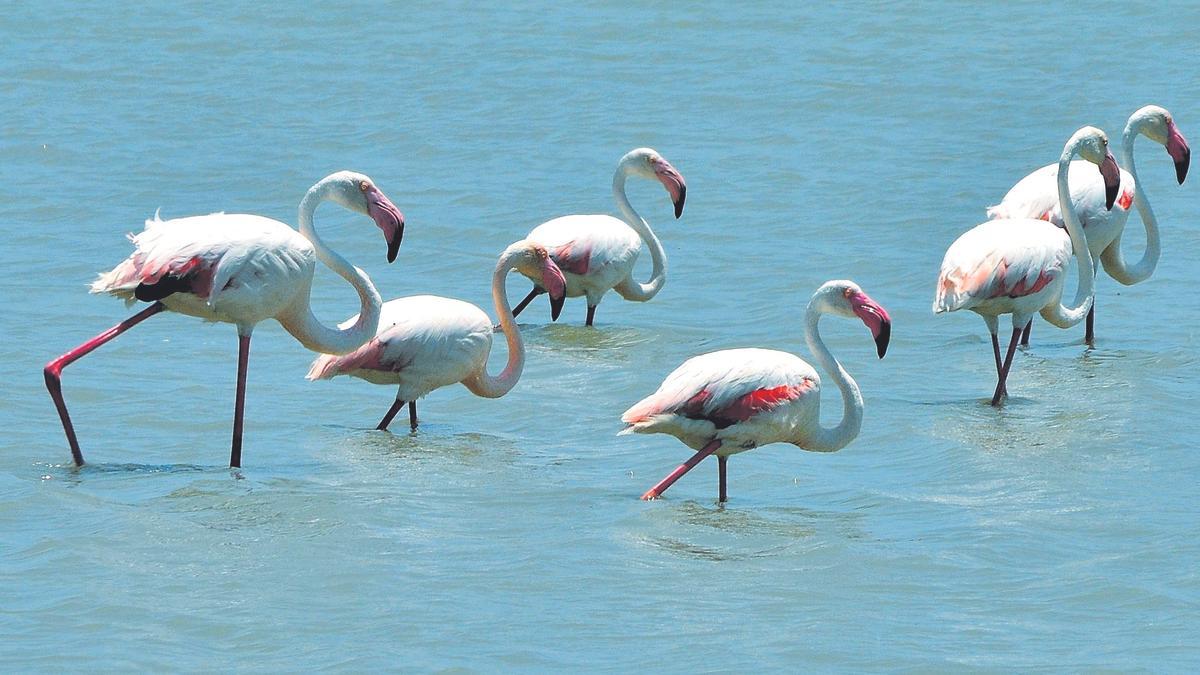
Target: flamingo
x=426 y=342
x=597 y=252
x=733 y=400
x=241 y=269
x=1036 y=196
x=1018 y=266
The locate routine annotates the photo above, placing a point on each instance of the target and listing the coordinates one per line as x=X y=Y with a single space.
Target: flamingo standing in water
x=1036 y=196
x=1018 y=266
x=733 y=400
x=597 y=252
x=426 y=342
x=241 y=269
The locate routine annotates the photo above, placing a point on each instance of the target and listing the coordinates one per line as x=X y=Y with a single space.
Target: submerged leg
x=239 y=406
x=591 y=315
x=1089 y=335
x=1025 y=335
x=53 y=370
x=387 y=419
x=412 y=415
x=721 y=460
x=1001 y=388
x=537 y=290
x=662 y=485
x=996 y=354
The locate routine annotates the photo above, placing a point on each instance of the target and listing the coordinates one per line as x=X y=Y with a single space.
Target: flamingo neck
x=299 y=319
x=637 y=291
x=1057 y=313
x=829 y=439
x=486 y=385
x=1114 y=261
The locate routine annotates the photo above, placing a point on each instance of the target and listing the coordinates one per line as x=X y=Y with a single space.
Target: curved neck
x=638 y=291
x=299 y=319
x=1114 y=262
x=1059 y=314
x=487 y=385
x=829 y=439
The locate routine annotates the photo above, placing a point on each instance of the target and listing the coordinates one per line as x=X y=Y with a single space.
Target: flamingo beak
x=1112 y=179
x=673 y=181
x=1177 y=148
x=876 y=319
x=556 y=285
x=387 y=218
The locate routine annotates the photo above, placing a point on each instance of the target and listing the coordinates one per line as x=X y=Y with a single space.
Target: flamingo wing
x=204 y=255
x=724 y=388
x=1000 y=258
x=1036 y=196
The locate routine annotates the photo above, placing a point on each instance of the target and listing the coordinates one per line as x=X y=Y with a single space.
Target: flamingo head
x=359 y=193
x=1158 y=125
x=1092 y=145
x=534 y=261
x=845 y=298
x=647 y=163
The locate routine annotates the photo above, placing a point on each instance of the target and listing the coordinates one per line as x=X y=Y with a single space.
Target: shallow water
x=817 y=142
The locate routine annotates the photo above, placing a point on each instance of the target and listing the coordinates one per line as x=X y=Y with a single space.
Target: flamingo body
x=743 y=397
x=595 y=252
x=1036 y=196
x=231 y=268
x=1002 y=267
x=424 y=342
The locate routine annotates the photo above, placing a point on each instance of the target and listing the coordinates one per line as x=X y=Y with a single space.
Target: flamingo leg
x=387 y=419
x=1001 y=389
x=412 y=415
x=53 y=370
x=721 y=461
x=537 y=290
x=239 y=406
x=591 y=315
x=1025 y=335
x=662 y=485
x=996 y=353
x=1089 y=335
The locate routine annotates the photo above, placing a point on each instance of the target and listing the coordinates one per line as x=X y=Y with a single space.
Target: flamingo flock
x=243 y=269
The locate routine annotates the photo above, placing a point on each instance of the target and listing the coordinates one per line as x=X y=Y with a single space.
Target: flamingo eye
x=364 y=186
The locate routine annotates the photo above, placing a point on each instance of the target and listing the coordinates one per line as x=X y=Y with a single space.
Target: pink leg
x=656 y=491
x=391 y=413
x=53 y=370
x=721 y=461
x=239 y=406
x=1001 y=386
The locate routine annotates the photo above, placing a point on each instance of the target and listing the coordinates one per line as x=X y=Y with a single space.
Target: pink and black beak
x=556 y=285
x=1177 y=148
x=673 y=181
x=875 y=317
x=387 y=217
x=1112 y=179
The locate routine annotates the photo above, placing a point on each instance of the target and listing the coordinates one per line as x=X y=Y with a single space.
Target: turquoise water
x=818 y=142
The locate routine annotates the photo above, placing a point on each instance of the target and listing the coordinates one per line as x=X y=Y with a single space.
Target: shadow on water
x=721 y=532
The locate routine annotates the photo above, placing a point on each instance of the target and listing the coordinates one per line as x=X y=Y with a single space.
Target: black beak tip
x=679 y=202
x=882 y=340
x=394 y=244
x=1110 y=197
x=1181 y=167
x=556 y=306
